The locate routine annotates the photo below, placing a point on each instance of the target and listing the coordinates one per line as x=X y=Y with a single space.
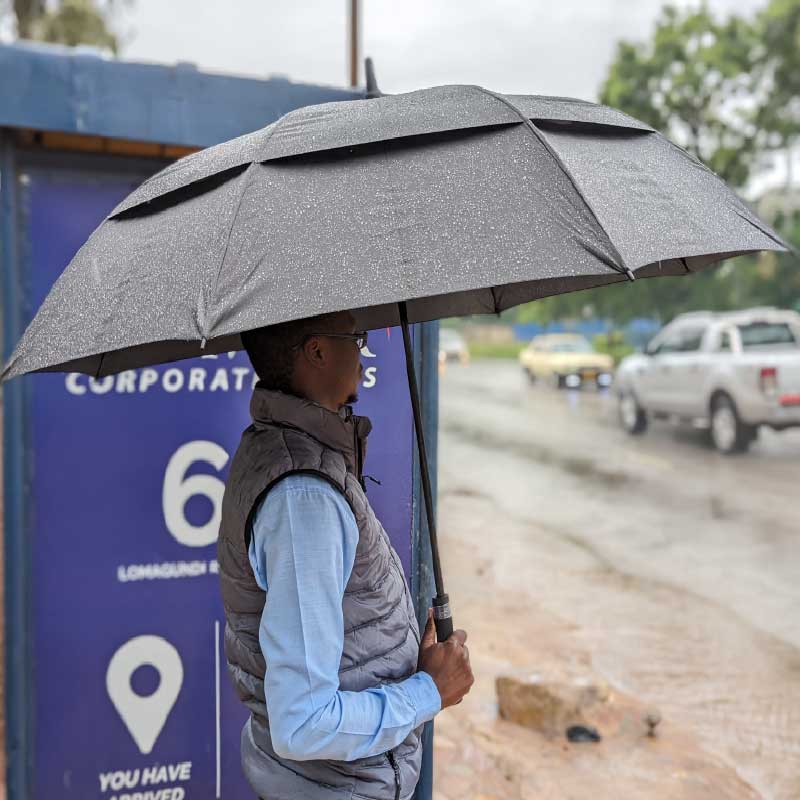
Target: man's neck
x=321 y=398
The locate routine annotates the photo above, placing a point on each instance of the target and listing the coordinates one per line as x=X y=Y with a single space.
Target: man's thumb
x=429 y=636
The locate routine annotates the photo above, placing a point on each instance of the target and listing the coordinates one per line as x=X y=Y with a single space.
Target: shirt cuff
x=424 y=696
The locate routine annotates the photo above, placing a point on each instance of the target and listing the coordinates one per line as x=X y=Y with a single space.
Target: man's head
x=302 y=358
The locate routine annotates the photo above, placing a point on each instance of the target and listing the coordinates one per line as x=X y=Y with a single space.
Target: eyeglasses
x=359 y=337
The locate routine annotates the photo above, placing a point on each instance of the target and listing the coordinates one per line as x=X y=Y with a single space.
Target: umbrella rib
x=247 y=177
x=761 y=230
x=621 y=266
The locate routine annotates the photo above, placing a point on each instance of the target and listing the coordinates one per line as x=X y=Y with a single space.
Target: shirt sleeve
x=302 y=552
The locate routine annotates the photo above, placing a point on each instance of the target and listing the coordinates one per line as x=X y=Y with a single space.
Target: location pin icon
x=144 y=717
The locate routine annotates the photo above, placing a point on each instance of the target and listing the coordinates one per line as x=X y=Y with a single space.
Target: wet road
x=676 y=569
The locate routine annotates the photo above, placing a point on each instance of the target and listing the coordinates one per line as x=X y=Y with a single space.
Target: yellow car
x=566 y=360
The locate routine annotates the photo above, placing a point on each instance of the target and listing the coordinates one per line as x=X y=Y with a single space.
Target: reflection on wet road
x=678 y=566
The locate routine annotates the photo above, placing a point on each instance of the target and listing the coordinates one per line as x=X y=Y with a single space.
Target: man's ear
x=314 y=352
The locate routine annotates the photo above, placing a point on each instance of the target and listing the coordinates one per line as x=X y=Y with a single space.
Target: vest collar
x=342 y=431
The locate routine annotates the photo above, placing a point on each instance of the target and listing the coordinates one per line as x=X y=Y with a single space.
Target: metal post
x=15 y=551
x=354 y=43
x=441 y=604
x=426 y=363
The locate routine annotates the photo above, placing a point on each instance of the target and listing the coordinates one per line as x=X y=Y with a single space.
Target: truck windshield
x=766 y=334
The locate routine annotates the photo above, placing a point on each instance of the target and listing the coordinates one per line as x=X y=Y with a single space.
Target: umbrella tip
x=372 y=84
x=629 y=273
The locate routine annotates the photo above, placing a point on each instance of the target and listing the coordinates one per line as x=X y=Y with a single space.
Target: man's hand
x=446 y=662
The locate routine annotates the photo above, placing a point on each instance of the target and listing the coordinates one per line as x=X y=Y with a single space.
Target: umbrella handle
x=442 y=618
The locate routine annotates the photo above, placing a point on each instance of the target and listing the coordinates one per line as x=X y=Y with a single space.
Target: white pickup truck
x=729 y=373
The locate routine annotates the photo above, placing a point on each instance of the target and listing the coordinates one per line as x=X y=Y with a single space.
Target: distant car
x=566 y=360
x=452 y=347
x=729 y=373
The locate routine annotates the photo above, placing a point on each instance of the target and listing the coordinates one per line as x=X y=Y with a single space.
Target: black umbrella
x=403 y=208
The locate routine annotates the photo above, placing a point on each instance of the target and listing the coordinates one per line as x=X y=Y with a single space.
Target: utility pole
x=353 y=43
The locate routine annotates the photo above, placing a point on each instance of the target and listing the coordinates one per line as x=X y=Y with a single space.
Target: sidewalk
x=480 y=757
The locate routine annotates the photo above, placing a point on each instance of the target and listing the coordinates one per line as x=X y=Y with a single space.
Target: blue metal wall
x=48 y=203
x=52 y=88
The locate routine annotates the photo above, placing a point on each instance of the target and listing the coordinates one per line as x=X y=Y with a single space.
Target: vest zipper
x=390 y=756
x=358 y=459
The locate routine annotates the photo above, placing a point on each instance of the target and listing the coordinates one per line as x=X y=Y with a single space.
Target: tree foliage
x=728 y=91
x=27 y=12
x=690 y=82
x=70 y=22
x=778 y=29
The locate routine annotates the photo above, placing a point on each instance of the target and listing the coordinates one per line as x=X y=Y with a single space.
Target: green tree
x=69 y=22
x=692 y=82
x=778 y=72
x=726 y=91
x=27 y=12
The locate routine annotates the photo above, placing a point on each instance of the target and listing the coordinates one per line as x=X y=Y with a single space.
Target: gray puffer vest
x=381 y=638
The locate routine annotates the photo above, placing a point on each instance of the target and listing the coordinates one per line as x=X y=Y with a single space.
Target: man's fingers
x=458 y=636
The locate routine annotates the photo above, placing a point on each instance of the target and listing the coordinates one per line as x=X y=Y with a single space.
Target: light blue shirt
x=302 y=551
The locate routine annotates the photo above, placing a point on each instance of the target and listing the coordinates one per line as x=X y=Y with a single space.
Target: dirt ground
x=572 y=551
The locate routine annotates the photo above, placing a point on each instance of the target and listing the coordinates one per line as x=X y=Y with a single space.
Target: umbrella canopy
x=455 y=200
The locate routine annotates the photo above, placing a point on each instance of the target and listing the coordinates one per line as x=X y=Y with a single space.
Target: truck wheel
x=728 y=433
x=631 y=414
x=530 y=374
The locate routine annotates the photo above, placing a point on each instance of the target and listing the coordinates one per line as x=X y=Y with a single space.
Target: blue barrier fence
x=637 y=331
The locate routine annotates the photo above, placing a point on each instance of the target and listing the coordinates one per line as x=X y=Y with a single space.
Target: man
x=321 y=637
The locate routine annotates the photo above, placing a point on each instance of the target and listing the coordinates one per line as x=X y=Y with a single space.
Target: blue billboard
x=128 y=693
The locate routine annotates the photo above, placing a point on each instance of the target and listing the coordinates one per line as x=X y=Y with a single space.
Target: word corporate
x=177 y=379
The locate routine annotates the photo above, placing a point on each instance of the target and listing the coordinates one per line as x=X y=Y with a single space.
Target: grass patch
x=496 y=349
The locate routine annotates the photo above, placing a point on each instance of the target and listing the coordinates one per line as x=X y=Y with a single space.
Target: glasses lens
x=362 y=340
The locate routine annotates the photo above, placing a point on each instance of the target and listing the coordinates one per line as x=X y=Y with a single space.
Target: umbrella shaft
x=423 y=456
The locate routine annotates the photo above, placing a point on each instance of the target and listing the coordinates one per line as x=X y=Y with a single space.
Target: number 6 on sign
x=178 y=489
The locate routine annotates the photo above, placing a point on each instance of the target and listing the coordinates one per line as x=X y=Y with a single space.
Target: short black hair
x=272 y=349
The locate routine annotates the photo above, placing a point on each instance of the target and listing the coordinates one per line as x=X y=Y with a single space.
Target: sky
x=555 y=47
x=559 y=47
